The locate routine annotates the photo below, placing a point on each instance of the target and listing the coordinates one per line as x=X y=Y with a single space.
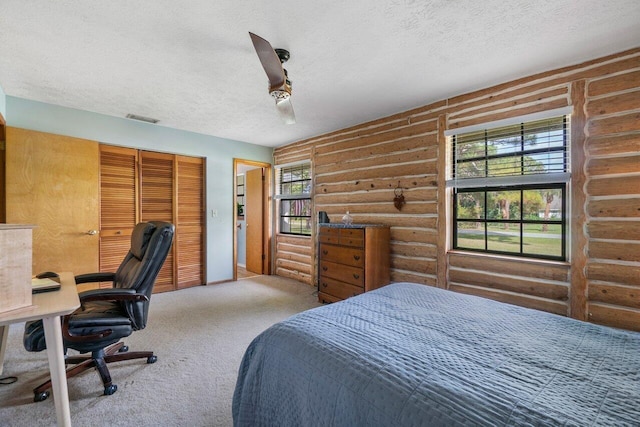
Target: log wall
x=359 y=168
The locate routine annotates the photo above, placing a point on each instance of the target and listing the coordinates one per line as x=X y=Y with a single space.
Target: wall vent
x=142 y=118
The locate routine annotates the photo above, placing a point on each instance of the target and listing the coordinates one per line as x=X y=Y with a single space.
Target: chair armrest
x=111 y=294
x=94 y=277
x=100 y=295
x=81 y=338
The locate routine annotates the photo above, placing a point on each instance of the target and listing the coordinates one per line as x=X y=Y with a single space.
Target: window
x=510 y=188
x=293 y=189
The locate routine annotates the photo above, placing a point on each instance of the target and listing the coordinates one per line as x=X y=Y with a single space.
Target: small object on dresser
x=323 y=218
x=347 y=219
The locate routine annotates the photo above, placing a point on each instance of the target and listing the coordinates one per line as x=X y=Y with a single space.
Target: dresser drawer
x=352 y=237
x=342 y=255
x=327 y=299
x=343 y=273
x=343 y=236
x=329 y=238
x=339 y=289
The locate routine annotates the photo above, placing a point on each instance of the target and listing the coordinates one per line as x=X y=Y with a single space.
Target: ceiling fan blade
x=270 y=61
x=285 y=110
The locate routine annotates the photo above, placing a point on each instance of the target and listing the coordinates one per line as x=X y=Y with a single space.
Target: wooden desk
x=49 y=306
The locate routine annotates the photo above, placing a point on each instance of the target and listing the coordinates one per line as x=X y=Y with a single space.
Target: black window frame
x=561 y=185
x=521 y=221
x=284 y=215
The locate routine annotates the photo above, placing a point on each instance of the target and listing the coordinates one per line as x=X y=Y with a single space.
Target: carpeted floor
x=199 y=335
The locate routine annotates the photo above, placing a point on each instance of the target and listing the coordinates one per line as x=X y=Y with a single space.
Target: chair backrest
x=150 y=244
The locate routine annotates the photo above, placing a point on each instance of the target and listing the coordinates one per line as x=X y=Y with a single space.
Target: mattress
x=411 y=355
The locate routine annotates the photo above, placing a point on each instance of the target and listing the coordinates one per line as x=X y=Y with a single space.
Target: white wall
x=219 y=153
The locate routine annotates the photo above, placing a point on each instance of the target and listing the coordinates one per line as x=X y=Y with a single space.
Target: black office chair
x=108 y=315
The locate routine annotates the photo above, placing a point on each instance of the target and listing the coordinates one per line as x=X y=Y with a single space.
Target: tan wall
x=357 y=169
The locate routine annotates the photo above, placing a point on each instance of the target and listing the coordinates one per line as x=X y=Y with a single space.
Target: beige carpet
x=199 y=335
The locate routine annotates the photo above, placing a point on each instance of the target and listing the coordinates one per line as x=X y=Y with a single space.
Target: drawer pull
x=324 y=285
x=356 y=276
x=324 y=252
x=324 y=268
x=356 y=257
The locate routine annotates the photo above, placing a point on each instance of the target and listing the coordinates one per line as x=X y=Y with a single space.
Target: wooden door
x=189 y=241
x=254 y=203
x=156 y=204
x=118 y=204
x=52 y=182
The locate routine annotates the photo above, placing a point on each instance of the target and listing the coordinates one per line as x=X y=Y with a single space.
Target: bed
x=409 y=354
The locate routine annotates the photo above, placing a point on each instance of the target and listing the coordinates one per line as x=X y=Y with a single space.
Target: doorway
x=252 y=219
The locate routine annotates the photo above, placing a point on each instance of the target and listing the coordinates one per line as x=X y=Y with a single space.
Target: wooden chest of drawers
x=351 y=260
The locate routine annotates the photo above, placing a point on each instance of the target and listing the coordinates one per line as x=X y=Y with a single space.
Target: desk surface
x=47 y=304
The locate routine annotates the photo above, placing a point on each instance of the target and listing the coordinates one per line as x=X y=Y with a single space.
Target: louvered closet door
x=157 y=193
x=189 y=221
x=118 y=204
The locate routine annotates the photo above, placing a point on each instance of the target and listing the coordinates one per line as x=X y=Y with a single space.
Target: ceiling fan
x=279 y=83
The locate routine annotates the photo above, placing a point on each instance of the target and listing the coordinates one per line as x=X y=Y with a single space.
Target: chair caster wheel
x=123 y=349
x=39 y=397
x=152 y=359
x=108 y=391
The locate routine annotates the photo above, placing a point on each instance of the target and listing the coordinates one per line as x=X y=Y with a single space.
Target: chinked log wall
x=357 y=169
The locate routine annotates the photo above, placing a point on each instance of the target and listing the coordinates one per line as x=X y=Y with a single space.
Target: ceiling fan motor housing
x=284 y=91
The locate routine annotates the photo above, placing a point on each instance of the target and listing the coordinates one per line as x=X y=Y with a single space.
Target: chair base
x=99 y=360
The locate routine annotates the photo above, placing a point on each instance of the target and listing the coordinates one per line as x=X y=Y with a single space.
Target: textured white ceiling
x=191 y=64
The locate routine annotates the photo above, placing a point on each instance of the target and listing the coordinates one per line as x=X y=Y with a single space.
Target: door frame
x=3 y=147
x=266 y=214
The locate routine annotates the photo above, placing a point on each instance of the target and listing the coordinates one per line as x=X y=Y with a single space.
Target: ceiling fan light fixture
x=280 y=95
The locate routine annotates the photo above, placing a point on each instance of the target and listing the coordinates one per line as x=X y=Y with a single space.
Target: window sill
x=301 y=236
x=523 y=260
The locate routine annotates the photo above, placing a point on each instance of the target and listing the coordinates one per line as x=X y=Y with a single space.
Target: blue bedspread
x=410 y=355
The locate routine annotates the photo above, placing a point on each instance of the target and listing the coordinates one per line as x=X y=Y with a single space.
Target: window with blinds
x=509 y=188
x=293 y=191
